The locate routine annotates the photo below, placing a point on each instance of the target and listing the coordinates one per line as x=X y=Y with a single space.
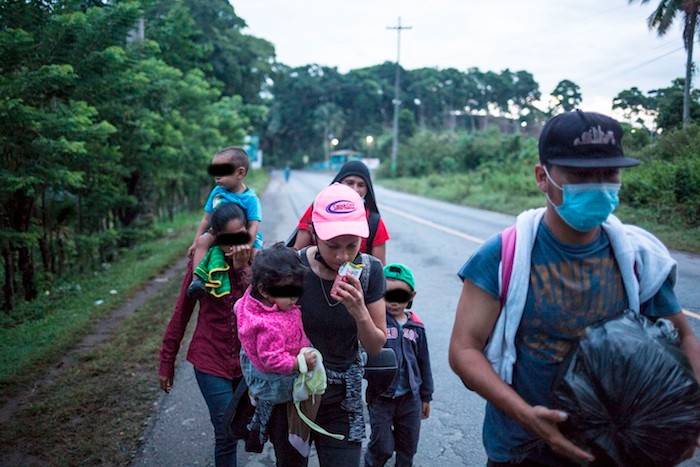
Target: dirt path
x=102 y=330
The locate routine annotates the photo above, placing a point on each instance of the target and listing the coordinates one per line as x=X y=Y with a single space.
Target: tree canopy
x=110 y=112
x=310 y=102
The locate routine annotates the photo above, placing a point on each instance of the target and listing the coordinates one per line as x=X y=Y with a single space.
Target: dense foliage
x=314 y=104
x=667 y=185
x=490 y=169
x=109 y=113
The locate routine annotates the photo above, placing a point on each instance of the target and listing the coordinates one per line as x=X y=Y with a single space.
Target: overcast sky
x=604 y=46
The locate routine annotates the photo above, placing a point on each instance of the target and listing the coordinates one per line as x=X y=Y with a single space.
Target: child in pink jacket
x=271 y=331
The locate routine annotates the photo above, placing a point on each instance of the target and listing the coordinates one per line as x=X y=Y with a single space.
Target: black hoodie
x=359 y=169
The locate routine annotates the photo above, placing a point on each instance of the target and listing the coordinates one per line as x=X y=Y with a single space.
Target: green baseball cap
x=399 y=272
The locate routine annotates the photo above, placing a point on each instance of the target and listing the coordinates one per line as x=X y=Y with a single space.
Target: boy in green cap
x=396 y=413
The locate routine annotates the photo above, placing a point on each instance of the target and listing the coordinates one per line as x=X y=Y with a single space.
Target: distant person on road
x=214 y=348
x=395 y=414
x=573 y=263
x=354 y=174
x=287 y=172
x=337 y=323
x=272 y=333
x=229 y=168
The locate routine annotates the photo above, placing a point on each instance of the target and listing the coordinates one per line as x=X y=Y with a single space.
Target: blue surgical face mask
x=586 y=206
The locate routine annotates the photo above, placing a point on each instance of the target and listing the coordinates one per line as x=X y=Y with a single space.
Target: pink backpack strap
x=507 y=255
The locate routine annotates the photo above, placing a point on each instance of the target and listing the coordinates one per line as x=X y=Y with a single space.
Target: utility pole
x=397 y=99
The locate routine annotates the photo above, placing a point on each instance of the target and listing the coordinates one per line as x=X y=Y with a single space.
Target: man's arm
x=689 y=342
x=477 y=312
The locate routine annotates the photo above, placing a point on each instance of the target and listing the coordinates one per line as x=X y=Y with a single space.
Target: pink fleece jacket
x=270 y=338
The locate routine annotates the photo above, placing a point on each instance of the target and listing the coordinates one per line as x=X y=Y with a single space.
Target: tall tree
x=634 y=104
x=668 y=101
x=241 y=62
x=567 y=95
x=525 y=91
x=45 y=136
x=661 y=19
x=102 y=130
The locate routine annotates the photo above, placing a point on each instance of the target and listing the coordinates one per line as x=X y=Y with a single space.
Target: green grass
x=94 y=412
x=257 y=180
x=468 y=190
x=69 y=313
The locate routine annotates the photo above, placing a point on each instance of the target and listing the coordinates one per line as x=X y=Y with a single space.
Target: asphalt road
x=434 y=239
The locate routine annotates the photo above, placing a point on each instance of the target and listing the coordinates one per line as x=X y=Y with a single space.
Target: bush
x=669 y=179
x=448 y=165
x=678 y=144
x=686 y=189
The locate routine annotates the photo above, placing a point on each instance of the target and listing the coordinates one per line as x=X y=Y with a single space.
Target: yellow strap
x=313 y=425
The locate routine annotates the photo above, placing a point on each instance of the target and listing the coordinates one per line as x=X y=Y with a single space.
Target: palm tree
x=662 y=19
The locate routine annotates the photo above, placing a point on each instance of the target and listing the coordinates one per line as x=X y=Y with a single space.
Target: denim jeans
x=273 y=387
x=395 y=427
x=218 y=393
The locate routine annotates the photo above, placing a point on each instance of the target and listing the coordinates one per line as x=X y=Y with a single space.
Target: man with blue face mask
x=573 y=263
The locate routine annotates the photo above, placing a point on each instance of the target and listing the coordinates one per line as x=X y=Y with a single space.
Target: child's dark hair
x=275 y=264
x=223 y=214
x=238 y=157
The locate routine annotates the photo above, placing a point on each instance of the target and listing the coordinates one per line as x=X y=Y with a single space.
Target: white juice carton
x=346 y=269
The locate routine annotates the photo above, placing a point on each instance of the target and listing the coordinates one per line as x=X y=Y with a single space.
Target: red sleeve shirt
x=380 y=237
x=215 y=347
x=305 y=221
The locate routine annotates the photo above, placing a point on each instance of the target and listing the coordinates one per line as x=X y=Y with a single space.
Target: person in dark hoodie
x=354 y=174
x=396 y=413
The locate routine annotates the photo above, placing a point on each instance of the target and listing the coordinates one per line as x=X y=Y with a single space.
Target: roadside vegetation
x=494 y=171
x=38 y=333
x=94 y=412
x=111 y=112
x=47 y=327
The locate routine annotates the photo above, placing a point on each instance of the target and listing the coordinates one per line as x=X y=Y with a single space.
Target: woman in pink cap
x=336 y=323
x=354 y=174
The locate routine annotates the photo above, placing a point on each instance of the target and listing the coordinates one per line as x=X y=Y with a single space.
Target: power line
x=597 y=82
x=571 y=30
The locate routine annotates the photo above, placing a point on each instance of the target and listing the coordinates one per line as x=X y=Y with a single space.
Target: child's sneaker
x=196 y=288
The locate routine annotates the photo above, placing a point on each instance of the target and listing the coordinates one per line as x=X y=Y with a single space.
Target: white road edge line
x=691 y=314
x=459 y=234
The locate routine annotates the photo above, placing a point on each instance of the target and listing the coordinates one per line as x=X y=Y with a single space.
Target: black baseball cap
x=583 y=139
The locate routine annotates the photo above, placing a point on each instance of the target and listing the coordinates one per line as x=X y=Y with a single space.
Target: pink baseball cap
x=339 y=210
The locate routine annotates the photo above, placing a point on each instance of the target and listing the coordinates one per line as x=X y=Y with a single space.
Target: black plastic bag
x=630 y=393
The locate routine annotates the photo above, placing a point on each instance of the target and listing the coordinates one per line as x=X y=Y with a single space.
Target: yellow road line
x=459 y=234
x=420 y=220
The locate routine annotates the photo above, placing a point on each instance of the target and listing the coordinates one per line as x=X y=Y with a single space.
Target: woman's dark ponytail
x=225 y=213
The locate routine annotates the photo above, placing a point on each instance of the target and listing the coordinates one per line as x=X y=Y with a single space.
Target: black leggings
x=331 y=452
